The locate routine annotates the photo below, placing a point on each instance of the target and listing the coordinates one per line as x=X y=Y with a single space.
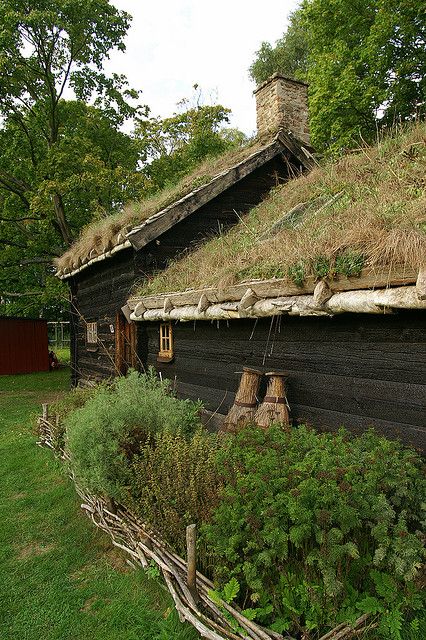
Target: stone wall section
x=282 y=103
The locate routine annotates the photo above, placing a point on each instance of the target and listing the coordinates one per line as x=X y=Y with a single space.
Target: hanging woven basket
x=244 y=407
x=274 y=408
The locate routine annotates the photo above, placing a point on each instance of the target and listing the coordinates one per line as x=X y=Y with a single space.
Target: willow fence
x=190 y=589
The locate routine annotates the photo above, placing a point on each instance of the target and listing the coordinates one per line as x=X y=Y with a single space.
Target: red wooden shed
x=23 y=346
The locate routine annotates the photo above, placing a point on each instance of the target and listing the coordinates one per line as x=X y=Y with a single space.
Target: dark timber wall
x=99 y=291
x=352 y=370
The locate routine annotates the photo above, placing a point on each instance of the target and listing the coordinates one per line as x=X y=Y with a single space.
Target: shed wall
x=23 y=346
x=352 y=370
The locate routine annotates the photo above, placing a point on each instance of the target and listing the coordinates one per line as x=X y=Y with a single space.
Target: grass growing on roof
x=377 y=221
x=104 y=234
x=60 y=578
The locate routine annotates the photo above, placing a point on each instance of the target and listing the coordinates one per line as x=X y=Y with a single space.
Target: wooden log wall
x=352 y=370
x=99 y=291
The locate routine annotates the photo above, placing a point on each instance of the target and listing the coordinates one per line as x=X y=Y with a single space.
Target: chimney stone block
x=282 y=103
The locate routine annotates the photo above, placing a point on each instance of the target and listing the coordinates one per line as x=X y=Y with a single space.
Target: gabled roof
x=347 y=237
x=156 y=216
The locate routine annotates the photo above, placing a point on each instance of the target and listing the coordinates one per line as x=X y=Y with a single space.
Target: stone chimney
x=282 y=103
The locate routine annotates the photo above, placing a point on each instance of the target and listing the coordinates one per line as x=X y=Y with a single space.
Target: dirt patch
x=88 y=605
x=34 y=549
x=80 y=576
x=51 y=397
x=108 y=556
x=117 y=560
x=18 y=496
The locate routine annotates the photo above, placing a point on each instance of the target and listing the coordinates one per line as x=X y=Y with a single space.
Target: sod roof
x=363 y=213
x=103 y=238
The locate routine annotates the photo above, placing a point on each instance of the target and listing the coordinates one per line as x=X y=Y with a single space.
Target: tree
x=365 y=62
x=62 y=161
x=92 y=165
x=172 y=147
x=367 y=67
x=289 y=56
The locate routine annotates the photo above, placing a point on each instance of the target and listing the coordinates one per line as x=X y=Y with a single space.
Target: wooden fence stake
x=45 y=408
x=191 y=552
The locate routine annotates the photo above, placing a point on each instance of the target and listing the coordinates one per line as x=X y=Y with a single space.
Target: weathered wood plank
x=276 y=288
x=354 y=370
x=142 y=235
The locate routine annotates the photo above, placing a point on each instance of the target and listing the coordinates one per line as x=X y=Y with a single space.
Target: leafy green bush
x=175 y=483
x=71 y=401
x=103 y=436
x=322 y=527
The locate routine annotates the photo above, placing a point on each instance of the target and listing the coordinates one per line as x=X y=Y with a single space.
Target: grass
x=104 y=234
x=60 y=578
x=63 y=355
x=377 y=223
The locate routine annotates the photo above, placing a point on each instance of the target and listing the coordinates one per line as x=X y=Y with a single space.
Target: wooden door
x=125 y=345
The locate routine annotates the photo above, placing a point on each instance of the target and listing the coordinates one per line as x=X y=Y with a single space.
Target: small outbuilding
x=23 y=346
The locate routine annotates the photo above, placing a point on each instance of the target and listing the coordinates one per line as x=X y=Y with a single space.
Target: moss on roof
x=102 y=235
x=377 y=221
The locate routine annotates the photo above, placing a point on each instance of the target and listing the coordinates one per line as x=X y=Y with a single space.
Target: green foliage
x=320 y=526
x=296 y=272
x=62 y=407
x=289 y=56
x=321 y=266
x=60 y=577
x=172 y=147
x=175 y=482
x=109 y=430
x=366 y=67
x=349 y=263
x=62 y=162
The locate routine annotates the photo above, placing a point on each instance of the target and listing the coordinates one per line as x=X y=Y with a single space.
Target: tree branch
x=9 y=294
x=20 y=121
x=11 y=243
x=18 y=184
x=26 y=262
x=19 y=219
x=16 y=191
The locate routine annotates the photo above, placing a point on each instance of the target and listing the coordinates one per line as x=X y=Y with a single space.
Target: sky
x=173 y=44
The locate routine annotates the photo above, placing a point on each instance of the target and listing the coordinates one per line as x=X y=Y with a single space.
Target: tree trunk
x=61 y=219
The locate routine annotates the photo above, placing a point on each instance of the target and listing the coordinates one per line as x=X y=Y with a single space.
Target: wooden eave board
x=274 y=289
x=161 y=222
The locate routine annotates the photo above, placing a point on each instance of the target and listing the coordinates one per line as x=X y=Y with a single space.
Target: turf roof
x=375 y=221
x=103 y=235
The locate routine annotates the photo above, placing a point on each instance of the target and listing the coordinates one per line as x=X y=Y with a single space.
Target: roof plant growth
x=364 y=211
x=303 y=530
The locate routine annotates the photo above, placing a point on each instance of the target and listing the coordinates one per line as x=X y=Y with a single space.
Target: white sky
x=173 y=44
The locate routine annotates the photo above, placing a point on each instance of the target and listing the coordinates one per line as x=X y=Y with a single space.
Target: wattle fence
x=213 y=619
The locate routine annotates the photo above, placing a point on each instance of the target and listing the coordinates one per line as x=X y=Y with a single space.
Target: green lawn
x=60 y=578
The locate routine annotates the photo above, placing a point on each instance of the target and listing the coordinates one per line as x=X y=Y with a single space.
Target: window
x=166 y=342
x=92 y=333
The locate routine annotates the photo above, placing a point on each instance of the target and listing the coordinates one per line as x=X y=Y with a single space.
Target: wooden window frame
x=92 y=336
x=166 y=352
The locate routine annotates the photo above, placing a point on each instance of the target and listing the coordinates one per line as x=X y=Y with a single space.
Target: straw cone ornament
x=274 y=408
x=243 y=410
